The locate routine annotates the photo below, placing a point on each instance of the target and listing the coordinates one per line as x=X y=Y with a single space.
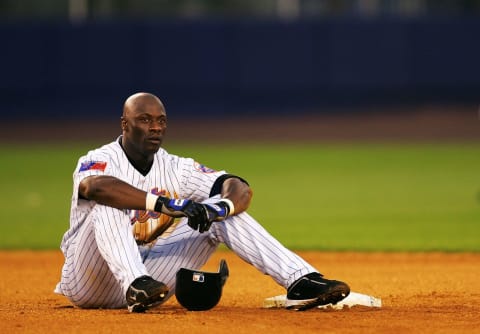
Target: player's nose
x=157 y=127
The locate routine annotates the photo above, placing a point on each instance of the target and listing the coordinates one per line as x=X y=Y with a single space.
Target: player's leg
x=116 y=243
x=306 y=287
x=86 y=278
x=102 y=262
x=249 y=240
x=188 y=248
x=182 y=248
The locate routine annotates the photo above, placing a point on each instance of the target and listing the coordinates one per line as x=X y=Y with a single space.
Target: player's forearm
x=238 y=192
x=110 y=191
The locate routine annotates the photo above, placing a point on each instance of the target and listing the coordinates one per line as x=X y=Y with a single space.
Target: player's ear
x=123 y=123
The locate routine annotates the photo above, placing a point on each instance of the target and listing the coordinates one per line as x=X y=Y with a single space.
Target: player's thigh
x=183 y=248
x=89 y=280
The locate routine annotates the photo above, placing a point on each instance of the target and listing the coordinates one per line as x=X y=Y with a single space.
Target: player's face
x=145 y=128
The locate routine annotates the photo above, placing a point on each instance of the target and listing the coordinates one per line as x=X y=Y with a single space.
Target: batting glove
x=197 y=214
x=200 y=215
x=176 y=207
x=217 y=211
x=209 y=213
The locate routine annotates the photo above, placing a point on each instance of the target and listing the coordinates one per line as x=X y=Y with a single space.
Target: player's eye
x=161 y=121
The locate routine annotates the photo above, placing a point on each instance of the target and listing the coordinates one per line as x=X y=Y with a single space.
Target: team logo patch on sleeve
x=203 y=168
x=93 y=165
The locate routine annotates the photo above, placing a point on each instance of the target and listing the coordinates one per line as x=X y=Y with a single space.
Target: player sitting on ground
x=139 y=214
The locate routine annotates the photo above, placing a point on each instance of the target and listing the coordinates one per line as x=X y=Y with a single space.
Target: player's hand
x=196 y=213
x=207 y=214
x=200 y=216
x=177 y=207
x=217 y=211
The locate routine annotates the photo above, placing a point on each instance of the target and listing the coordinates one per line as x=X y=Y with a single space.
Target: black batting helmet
x=198 y=290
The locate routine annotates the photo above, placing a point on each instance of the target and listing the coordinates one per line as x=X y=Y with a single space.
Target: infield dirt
x=421 y=293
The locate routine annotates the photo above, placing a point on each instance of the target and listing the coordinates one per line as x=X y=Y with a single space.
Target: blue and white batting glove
x=200 y=215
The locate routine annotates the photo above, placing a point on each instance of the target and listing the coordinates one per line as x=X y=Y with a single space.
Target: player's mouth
x=155 y=140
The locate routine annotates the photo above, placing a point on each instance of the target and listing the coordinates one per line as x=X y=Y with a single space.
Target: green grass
x=367 y=197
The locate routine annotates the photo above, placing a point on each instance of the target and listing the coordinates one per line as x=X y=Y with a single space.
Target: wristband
x=231 y=207
x=150 y=201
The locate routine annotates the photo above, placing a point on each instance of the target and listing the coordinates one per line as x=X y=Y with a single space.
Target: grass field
x=367 y=197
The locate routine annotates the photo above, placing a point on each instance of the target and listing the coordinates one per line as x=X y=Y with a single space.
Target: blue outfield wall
x=59 y=69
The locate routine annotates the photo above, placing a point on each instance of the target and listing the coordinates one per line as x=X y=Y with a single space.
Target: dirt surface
x=421 y=293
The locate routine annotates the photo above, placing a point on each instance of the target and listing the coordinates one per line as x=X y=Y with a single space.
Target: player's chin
x=153 y=145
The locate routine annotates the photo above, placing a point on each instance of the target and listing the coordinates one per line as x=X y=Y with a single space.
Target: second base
x=353 y=299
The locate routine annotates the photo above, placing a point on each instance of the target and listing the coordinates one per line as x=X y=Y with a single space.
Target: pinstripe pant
x=105 y=259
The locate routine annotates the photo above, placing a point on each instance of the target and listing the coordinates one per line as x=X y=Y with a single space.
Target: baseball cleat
x=313 y=290
x=144 y=293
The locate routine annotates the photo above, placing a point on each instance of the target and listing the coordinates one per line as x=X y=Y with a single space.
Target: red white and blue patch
x=93 y=165
x=203 y=168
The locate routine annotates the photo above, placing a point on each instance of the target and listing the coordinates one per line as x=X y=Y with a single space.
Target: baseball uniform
x=102 y=256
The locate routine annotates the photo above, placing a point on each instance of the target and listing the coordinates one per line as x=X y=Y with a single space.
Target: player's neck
x=140 y=162
x=142 y=167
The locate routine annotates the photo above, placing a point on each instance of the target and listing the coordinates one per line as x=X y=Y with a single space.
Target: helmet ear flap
x=198 y=290
x=223 y=271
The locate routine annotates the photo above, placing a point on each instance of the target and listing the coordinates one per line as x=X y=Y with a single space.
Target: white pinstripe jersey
x=170 y=176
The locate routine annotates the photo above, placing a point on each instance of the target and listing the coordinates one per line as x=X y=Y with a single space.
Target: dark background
x=228 y=58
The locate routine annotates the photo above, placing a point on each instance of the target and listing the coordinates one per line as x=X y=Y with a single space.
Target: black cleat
x=313 y=290
x=145 y=292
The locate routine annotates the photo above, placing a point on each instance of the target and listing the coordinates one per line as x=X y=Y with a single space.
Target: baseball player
x=139 y=214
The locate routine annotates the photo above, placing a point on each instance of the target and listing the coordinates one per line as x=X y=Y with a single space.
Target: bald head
x=139 y=102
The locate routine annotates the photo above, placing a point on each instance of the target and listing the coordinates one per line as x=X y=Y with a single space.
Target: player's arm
x=113 y=192
x=235 y=195
x=238 y=192
x=110 y=191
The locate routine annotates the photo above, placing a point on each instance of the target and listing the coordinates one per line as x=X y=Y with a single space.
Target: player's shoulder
x=169 y=160
x=106 y=156
x=187 y=164
x=110 y=151
x=163 y=154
